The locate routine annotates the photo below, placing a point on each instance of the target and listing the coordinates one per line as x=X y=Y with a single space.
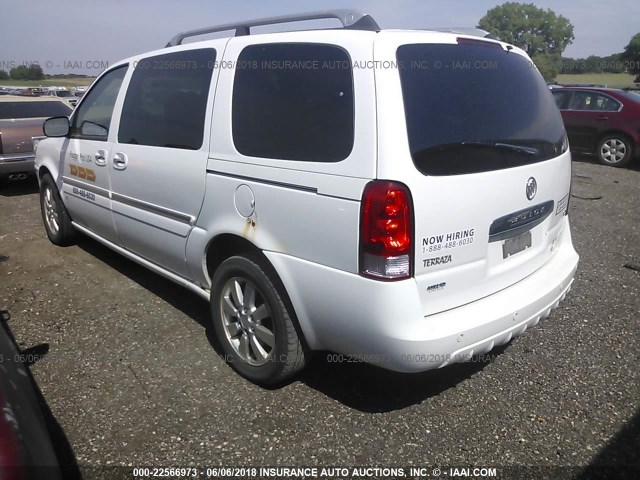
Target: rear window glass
x=475 y=107
x=633 y=95
x=294 y=101
x=33 y=109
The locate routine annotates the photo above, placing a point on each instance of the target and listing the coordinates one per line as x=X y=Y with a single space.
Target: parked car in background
x=66 y=95
x=602 y=121
x=25 y=441
x=21 y=121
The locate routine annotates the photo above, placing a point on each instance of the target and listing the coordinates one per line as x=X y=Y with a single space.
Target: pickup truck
x=21 y=120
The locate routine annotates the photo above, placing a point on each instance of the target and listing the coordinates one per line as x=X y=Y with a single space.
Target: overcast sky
x=63 y=35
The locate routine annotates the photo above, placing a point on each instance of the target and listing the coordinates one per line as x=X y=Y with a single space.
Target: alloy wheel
x=50 y=211
x=247 y=321
x=613 y=151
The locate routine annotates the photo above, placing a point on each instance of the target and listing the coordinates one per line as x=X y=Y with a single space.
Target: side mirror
x=56 y=127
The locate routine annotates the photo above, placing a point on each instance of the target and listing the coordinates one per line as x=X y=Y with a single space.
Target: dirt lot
x=133 y=378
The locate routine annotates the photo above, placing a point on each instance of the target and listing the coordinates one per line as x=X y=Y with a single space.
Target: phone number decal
x=79 y=192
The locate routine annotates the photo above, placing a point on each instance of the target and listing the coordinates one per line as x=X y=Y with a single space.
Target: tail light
x=386 y=231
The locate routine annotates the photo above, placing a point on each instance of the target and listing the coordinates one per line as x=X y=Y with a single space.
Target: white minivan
x=399 y=197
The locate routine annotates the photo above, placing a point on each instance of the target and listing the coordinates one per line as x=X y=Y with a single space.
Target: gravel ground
x=133 y=377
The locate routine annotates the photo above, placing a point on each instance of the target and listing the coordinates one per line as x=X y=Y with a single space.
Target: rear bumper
x=381 y=323
x=17 y=163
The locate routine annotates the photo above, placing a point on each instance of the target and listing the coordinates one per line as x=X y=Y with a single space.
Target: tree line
x=23 y=72
x=544 y=35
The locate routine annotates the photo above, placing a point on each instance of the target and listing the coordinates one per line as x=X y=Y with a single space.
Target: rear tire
x=55 y=217
x=252 y=323
x=615 y=150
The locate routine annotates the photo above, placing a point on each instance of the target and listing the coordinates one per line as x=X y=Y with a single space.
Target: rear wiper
x=529 y=151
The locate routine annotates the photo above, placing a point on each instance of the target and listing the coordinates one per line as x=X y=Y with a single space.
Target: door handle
x=602 y=118
x=120 y=161
x=101 y=158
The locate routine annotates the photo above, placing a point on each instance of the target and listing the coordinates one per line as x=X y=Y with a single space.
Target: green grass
x=615 y=80
x=52 y=82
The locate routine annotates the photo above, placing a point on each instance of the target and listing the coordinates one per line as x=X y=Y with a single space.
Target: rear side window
x=33 y=109
x=562 y=98
x=166 y=100
x=294 y=101
x=591 y=101
x=474 y=107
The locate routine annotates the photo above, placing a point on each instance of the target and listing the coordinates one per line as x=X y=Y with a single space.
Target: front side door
x=85 y=177
x=158 y=166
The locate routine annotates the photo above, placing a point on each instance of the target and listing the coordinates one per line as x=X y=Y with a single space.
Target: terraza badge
x=429 y=262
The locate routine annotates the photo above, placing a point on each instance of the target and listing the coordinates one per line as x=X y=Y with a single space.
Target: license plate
x=514 y=245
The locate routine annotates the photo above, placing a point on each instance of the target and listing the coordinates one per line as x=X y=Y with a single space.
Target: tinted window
x=562 y=98
x=593 y=101
x=294 y=102
x=93 y=117
x=166 y=100
x=33 y=109
x=475 y=107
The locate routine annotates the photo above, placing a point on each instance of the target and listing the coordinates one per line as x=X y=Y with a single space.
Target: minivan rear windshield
x=33 y=109
x=475 y=107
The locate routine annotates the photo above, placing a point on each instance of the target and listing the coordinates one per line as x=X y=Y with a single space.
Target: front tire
x=615 y=150
x=55 y=217
x=252 y=323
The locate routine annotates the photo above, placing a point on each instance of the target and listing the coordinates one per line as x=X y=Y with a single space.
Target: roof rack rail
x=472 y=31
x=351 y=19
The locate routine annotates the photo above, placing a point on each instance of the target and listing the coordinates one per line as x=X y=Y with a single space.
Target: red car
x=604 y=121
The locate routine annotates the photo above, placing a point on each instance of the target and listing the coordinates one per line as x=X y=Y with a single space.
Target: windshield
x=474 y=107
x=34 y=109
x=64 y=93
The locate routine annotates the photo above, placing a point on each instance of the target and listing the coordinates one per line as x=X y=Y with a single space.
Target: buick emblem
x=532 y=188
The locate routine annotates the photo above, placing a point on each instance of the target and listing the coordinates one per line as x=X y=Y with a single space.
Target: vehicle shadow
x=14 y=188
x=180 y=298
x=620 y=458
x=357 y=385
x=372 y=389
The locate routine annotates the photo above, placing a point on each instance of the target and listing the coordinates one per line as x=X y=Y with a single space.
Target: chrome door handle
x=120 y=161
x=101 y=158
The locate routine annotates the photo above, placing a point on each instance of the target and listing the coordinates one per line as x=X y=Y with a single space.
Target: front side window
x=474 y=107
x=294 y=101
x=93 y=117
x=166 y=100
